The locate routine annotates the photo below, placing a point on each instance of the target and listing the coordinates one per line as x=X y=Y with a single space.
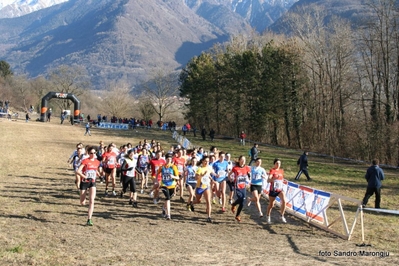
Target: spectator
x=88 y=129
x=203 y=133
x=184 y=129
x=303 y=166
x=212 y=134
x=243 y=136
x=374 y=176
x=254 y=153
x=49 y=114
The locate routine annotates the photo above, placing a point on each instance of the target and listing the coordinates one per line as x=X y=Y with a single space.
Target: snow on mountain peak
x=17 y=8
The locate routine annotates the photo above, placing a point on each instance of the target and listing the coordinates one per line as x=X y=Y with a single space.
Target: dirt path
x=42 y=222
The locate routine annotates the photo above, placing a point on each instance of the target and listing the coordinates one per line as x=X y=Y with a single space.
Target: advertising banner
x=303 y=200
x=113 y=126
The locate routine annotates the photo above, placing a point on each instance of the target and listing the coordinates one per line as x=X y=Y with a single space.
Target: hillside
x=114 y=39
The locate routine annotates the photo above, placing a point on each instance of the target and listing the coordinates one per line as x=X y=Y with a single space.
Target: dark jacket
x=303 y=161
x=374 y=176
x=254 y=153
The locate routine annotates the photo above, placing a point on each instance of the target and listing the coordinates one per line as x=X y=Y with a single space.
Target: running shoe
x=238 y=218
x=182 y=200
x=130 y=202
x=168 y=217
x=121 y=195
x=189 y=207
x=155 y=201
x=260 y=215
x=269 y=221
x=113 y=193
x=223 y=209
x=209 y=220
x=233 y=208
x=152 y=194
x=220 y=201
x=106 y=193
x=230 y=201
x=249 y=201
x=135 y=204
x=214 y=200
x=283 y=220
x=192 y=207
x=141 y=191
x=163 y=212
x=89 y=222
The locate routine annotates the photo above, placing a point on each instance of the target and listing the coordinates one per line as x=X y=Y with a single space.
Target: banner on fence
x=184 y=142
x=113 y=126
x=303 y=200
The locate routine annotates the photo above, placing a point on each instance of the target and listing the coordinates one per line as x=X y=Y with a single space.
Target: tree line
x=329 y=87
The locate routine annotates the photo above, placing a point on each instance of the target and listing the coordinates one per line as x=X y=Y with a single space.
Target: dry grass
x=42 y=222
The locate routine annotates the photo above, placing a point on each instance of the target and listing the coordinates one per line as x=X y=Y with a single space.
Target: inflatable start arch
x=60 y=95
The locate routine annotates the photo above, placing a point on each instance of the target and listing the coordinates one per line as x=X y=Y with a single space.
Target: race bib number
x=130 y=172
x=191 y=176
x=143 y=162
x=166 y=177
x=257 y=176
x=205 y=180
x=222 y=173
x=180 y=168
x=111 y=162
x=278 y=185
x=91 y=174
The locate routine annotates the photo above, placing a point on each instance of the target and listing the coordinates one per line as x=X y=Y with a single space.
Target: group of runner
x=205 y=175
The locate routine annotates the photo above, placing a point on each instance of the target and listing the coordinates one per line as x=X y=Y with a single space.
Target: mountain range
x=126 y=39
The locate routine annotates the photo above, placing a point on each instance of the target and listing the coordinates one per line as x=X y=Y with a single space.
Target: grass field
x=42 y=222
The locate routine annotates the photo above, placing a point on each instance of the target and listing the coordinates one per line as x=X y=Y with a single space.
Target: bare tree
x=161 y=90
x=69 y=79
x=117 y=100
x=40 y=87
x=22 y=91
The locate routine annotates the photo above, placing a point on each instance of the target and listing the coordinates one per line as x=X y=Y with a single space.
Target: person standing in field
x=303 y=166
x=374 y=176
x=243 y=136
x=88 y=129
x=254 y=153
x=88 y=171
x=203 y=133
x=49 y=112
